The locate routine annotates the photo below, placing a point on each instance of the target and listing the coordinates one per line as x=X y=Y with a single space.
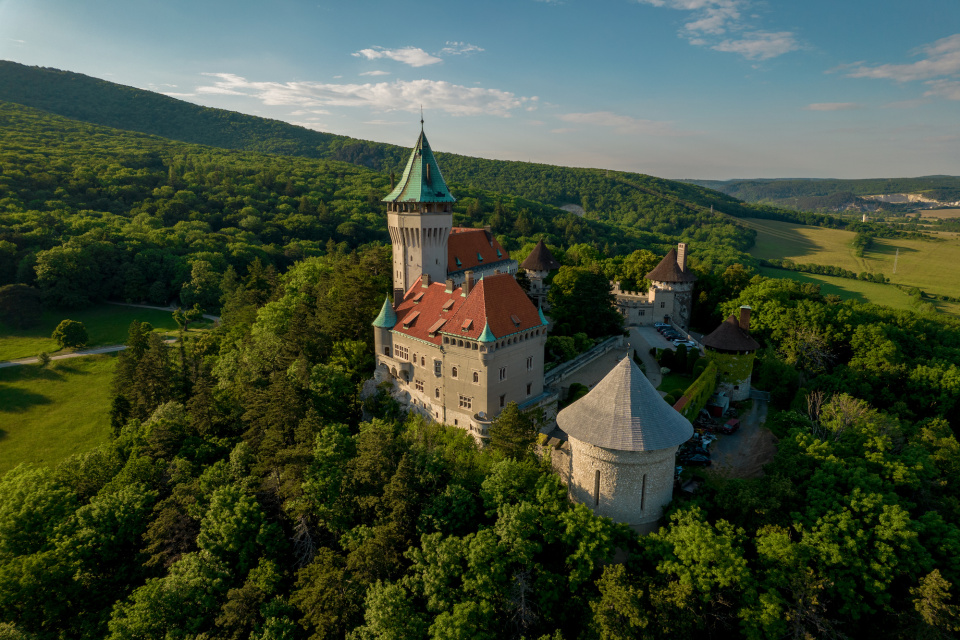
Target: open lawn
x=933 y=266
x=673 y=381
x=884 y=294
x=106 y=324
x=49 y=414
x=943 y=214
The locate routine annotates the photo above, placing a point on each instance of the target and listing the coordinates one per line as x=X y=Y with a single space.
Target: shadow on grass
x=18 y=400
x=3 y=435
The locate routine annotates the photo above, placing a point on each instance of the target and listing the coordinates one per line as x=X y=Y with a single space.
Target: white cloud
x=949 y=89
x=715 y=18
x=760 y=45
x=413 y=56
x=375 y=73
x=460 y=48
x=833 y=106
x=382 y=96
x=942 y=59
x=174 y=94
x=623 y=124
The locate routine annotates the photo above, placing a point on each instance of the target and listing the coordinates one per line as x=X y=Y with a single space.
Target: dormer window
x=467 y=324
x=410 y=319
x=447 y=305
x=418 y=297
x=515 y=320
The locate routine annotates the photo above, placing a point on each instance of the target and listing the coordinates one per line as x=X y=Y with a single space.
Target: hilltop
x=810 y=194
x=632 y=199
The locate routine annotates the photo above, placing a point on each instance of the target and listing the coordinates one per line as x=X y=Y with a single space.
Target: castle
x=460 y=338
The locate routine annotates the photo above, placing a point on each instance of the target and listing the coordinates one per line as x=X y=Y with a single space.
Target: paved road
x=76 y=354
x=640 y=339
x=743 y=454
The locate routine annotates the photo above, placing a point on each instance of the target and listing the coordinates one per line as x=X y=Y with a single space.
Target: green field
x=106 y=324
x=887 y=295
x=49 y=414
x=933 y=266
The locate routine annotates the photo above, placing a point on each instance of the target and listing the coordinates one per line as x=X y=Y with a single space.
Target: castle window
x=474 y=345
x=529 y=363
x=423 y=361
x=529 y=389
x=436 y=392
x=663 y=305
x=402 y=352
x=453 y=372
x=643 y=492
x=596 y=488
x=503 y=401
x=419 y=385
x=466 y=403
x=437 y=368
x=386 y=351
x=476 y=377
x=503 y=373
x=642 y=312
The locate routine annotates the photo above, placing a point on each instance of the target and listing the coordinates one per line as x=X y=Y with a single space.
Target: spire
x=422 y=180
x=388 y=317
x=487 y=335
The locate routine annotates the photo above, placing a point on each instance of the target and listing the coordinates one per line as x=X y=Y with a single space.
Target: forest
x=256 y=485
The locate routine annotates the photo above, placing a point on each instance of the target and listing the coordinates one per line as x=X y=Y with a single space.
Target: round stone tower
x=623 y=445
x=732 y=349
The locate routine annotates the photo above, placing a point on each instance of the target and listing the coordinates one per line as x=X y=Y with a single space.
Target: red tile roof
x=466 y=244
x=496 y=300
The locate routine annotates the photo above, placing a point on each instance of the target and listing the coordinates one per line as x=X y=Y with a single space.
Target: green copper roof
x=387 y=317
x=422 y=180
x=487 y=335
x=543 y=320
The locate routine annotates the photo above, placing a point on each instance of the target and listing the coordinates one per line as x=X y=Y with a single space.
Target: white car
x=690 y=344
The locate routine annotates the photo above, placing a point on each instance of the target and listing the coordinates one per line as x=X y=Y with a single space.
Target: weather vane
x=421 y=117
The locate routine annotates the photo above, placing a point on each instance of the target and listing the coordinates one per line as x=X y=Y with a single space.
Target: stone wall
x=634 y=486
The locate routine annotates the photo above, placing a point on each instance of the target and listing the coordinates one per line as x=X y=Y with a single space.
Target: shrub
x=70 y=333
x=43 y=358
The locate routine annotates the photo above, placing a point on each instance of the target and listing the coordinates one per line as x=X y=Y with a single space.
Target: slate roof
x=422 y=180
x=625 y=413
x=730 y=337
x=387 y=317
x=488 y=311
x=540 y=259
x=469 y=248
x=669 y=271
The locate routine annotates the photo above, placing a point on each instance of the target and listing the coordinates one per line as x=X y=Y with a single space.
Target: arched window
x=436 y=392
x=453 y=372
x=476 y=377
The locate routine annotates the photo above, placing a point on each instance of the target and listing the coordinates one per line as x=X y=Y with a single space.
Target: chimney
x=449 y=285
x=467 y=283
x=682 y=256
x=425 y=280
x=745 y=318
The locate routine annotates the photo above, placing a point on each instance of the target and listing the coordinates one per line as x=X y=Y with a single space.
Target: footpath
x=79 y=353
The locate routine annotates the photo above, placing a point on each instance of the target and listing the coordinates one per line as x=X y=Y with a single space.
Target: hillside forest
x=255 y=485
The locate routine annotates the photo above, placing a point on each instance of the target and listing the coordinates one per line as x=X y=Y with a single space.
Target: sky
x=710 y=89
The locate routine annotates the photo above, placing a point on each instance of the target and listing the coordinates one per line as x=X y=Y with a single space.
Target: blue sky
x=674 y=88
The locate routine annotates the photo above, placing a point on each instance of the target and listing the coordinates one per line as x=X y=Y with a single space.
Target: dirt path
x=171 y=309
x=743 y=454
x=110 y=348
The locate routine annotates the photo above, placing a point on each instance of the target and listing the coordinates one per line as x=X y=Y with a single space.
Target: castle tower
x=419 y=218
x=732 y=349
x=672 y=286
x=538 y=266
x=623 y=444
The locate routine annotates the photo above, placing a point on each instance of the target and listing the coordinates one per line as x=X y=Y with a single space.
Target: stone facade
x=667 y=300
x=632 y=487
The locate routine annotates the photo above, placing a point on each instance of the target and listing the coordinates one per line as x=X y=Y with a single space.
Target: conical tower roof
x=387 y=318
x=669 y=271
x=730 y=337
x=625 y=413
x=540 y=259
x=422 y=180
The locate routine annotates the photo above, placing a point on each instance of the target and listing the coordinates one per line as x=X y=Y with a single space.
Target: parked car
x=671 y=335
x=730 y=426
x=689 y=344
x=661 y=325
x=695 y=460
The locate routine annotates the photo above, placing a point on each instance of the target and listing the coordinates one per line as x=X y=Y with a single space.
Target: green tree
x=70 y=333
x=19 y=306
x=514 y=431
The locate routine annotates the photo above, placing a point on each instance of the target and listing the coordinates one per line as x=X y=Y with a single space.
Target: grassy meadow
x=933 y=266
x=847 y=289
x=106 y=324
x=49 y=414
